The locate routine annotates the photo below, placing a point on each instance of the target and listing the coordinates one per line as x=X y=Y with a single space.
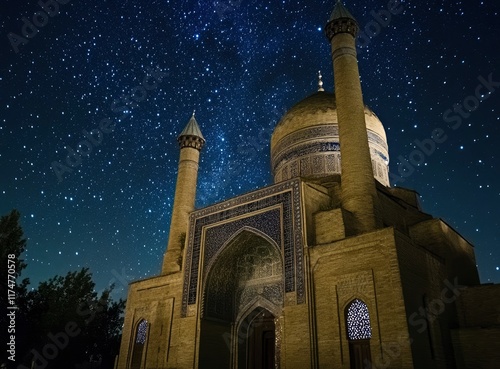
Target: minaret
x=191 y=142
x=358 y=192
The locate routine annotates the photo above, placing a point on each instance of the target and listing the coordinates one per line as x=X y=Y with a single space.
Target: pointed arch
x=258 y=302
x=139 y=343
x=359 y=333
x=243 y=287
x=234 y=237
x=256 y=345
x=358 y=321
x=247 y=254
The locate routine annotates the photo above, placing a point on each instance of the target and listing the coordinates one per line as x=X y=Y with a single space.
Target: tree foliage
x=12 y=242
x=12 y=245
x=71 y=301
x=64 y=321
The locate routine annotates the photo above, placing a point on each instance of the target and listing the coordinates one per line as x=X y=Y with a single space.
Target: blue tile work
x=289 y=234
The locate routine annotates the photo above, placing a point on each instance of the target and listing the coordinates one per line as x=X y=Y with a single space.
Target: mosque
x=329 y=267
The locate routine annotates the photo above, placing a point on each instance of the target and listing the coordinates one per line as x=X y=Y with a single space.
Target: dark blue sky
x=241 y=64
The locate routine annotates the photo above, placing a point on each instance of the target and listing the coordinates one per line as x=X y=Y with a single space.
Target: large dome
x=305 y=143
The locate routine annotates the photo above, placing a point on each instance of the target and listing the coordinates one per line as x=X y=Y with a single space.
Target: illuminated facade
x=329 y=267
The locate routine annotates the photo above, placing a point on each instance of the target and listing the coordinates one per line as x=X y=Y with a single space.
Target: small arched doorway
x=140 y=339
x=359 y=333
x=246 y=276
x=257 y=341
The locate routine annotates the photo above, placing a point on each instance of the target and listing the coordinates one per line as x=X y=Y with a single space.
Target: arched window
x=139 y=343
x=359 y=332
x=142 y=330
x=358 y=321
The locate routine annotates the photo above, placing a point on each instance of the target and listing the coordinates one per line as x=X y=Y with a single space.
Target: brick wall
x=363 y=267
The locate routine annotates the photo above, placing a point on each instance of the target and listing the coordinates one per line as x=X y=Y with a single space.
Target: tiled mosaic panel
x=291 y=234
x=268 y=223
x=244 y=271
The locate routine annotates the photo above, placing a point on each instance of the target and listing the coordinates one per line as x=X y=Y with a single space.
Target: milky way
x=125 y=76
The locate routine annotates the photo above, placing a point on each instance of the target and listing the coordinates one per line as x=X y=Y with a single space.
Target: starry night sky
x=241 y=64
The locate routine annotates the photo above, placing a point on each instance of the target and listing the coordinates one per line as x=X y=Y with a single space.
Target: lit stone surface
x=304 y=273
x=306 y=143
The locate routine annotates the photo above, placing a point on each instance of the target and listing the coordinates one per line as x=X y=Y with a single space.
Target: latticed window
x=139 y=343
x=358 y=321
x=142 y=330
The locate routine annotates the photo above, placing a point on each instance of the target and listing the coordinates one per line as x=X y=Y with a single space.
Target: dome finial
x=320 y=82
x=194 y=112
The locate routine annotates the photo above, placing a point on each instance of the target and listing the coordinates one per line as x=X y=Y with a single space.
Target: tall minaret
x=191 y=142
x=358 y=192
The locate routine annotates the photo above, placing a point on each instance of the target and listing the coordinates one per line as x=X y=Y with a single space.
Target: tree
x=69 y=311
x=64 y=321
x=12 y=245
x=12 y=242
x=105 y=330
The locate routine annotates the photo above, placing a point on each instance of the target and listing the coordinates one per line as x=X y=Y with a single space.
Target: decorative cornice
x=191 y=141
x=341 y=25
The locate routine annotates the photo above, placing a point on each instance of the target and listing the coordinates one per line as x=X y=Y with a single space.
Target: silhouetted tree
x=12 y=242
x=70 y=324
x=64 y=321
x=12 y=245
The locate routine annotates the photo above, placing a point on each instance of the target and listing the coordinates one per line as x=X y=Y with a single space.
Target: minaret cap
x=340 y=11
x=191 y=135
x=341 y=21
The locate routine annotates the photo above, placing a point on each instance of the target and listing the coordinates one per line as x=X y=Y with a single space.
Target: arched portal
x=257 y=344
x=243 y=286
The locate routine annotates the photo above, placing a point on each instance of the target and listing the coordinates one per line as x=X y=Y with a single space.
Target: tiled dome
x=305 y=143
